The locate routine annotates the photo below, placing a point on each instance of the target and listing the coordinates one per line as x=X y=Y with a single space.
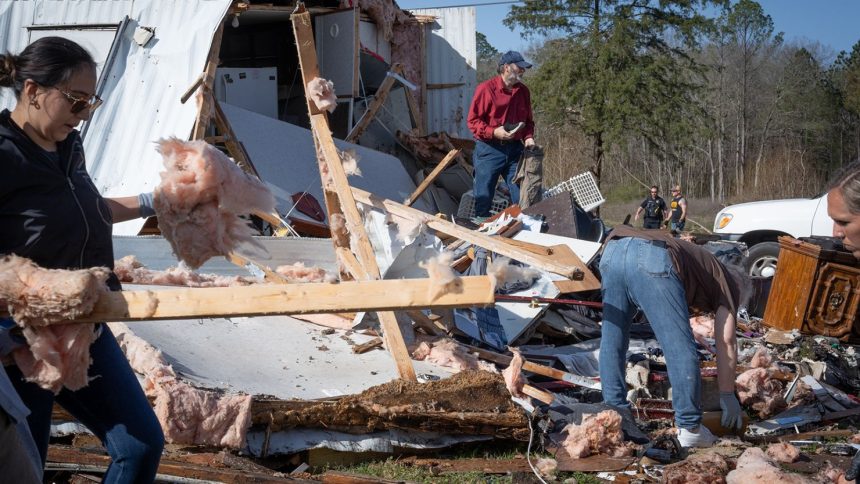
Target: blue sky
x=833 y=23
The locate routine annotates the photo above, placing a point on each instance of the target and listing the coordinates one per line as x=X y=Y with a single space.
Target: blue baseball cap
x=514 y=57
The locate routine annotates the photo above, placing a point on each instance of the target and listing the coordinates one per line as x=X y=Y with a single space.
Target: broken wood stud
x=341 y=199
x=470 y=236
x=190 y=91
x=372 y=109
x=365 y=347
x=432 y=176
x=207 y=80
x=536 y=368
x=538 y=394
x=267 y=299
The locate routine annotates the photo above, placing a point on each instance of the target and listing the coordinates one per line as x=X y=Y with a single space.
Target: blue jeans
x=637 y=273
x=677 y=226
x=113 y=407
x=492 y=160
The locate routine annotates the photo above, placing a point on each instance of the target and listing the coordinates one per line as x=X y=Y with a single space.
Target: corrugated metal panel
x=80 y=12
x=450 y=59
x=142 y=92
x=14 y=19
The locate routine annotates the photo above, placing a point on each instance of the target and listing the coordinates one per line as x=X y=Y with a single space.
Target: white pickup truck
x=758 y=224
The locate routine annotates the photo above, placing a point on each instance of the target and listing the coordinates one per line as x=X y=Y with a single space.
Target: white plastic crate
x=467 y=204
x=584 y=189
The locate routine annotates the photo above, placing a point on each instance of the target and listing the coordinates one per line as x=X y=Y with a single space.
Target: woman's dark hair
x=847 y=180
x=49 y=62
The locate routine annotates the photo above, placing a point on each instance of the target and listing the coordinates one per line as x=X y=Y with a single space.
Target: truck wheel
x=761 y=261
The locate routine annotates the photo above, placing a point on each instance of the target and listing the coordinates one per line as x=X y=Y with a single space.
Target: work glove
x=732 y=417
x=10 y=337
x=146 y=205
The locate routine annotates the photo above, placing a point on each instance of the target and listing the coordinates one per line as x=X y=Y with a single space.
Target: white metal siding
x=14 y=19
x=142 y=94
x=450 y=58
x=78 y=12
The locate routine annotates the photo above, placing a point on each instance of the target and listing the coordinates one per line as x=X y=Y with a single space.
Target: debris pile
x=598 y=434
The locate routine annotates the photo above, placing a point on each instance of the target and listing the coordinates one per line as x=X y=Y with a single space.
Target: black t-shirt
x=676 y=208
x=654 y=208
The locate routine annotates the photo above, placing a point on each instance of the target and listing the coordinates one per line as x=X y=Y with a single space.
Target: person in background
x=654 y=208
x=52 y=214
x=500 y=118
x=664 y=277
x=677 y=210
x=843 y=206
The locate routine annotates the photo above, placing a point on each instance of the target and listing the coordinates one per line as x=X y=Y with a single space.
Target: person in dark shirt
x=654 y=208
x=52 y=214
x=677 y=210
x=500 y=118
x=665 y=277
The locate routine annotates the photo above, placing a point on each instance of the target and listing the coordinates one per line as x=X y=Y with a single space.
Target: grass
x=395 y=470
x=701 y=210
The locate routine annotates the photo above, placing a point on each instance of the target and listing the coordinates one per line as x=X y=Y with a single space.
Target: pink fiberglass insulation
x=39 y=297
x=503 y=272
x=547 y=467
x=321 y=92
x=58 y=355
x=384 y=13
x=702 y=468
x=832 y=475
x=443 y=279
x=761 y=358
x=513 y=375
x=201 y=198
x=339 y=230
x=192 y=416
x=298 y=272
x=450 y=354
x=783 y=452
x=703 y=329
x=755 y=467
x=132 y=271
x=597 y=434
x=349 y=159
x=758 y=389
x=187 y=415
x=406 y=51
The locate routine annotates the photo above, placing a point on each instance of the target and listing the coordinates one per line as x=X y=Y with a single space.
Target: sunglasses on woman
x=80 y=103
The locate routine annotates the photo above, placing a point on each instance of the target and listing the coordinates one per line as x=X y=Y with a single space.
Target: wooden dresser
x=815 y=290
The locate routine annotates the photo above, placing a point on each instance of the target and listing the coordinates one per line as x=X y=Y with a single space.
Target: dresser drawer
x=835 y=302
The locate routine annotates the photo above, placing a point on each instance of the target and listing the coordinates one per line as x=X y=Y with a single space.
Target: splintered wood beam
x=205 y=111
x=268 y=299
x=340 y=199
x=473 y=237
x=538 y=394
x=432 y=176
x=372 y=108
x=268 y=274
x=414 y=112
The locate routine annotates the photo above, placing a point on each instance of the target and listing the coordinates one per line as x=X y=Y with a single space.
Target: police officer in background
x=654 y=208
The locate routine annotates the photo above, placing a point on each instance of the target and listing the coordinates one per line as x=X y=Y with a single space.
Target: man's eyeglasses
x=80 y=103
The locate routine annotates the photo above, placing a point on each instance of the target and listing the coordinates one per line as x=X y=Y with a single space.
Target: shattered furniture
x=816 y=290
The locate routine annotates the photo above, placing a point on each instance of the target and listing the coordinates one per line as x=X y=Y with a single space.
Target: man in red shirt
x=500 y=118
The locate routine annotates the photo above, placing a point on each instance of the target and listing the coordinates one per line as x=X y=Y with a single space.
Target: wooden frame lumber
x=341 y=199
x=270 y=299
x=432 y=176
x=536 y=368
x=372 y=108
x=473 y=237
x=414 y=112
x=205 y=110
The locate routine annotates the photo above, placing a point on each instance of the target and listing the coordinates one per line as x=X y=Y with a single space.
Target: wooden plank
x=372 y=108
x=538 y=394
x=564 y=255
x=190 y=91
x=365 y=347
x=259 y=300
x=414 y=112
x=536 y=368
x=432 y=176
x=269 y=274
x=340 y=198
x=535 y=248
x=205 y=111
x=494 y=244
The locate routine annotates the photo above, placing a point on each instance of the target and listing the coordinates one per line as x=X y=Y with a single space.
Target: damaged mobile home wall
x=142 y=85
